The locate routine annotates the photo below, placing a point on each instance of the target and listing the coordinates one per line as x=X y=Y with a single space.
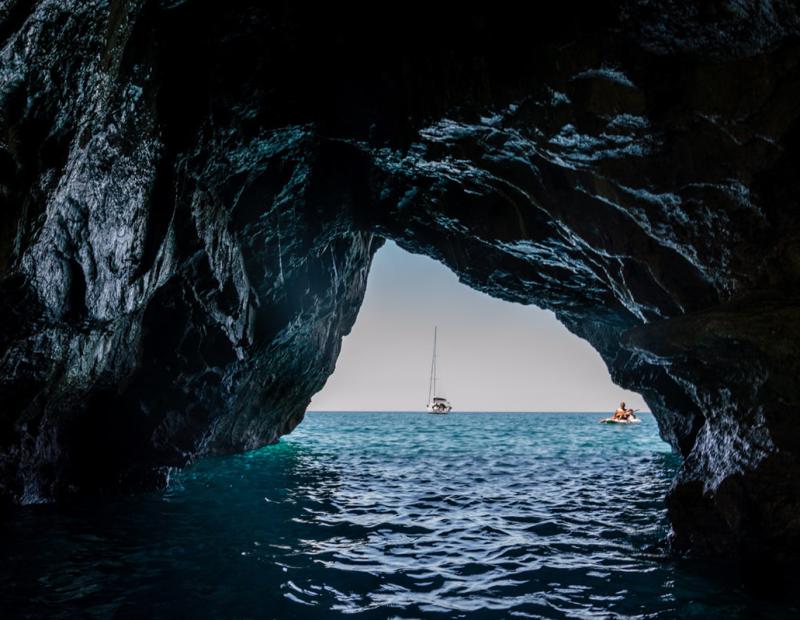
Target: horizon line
x=601 y=411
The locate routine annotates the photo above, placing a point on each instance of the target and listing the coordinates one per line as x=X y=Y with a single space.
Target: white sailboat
x=436 y=404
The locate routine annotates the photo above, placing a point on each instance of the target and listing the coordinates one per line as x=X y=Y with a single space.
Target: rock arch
x=208 y=186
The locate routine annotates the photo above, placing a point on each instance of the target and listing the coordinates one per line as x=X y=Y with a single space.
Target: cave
x=192 y=195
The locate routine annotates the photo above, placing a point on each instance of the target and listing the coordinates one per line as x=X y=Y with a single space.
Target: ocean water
x=382 y=515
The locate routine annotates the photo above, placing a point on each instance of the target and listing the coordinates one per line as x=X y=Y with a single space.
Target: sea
x=384 y=515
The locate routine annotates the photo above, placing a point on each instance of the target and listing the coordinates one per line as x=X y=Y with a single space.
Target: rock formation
x=192 y=194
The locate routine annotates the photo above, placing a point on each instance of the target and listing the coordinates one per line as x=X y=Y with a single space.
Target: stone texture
x=192 y=194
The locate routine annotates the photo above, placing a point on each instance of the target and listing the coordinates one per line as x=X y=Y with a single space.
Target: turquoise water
x=382 y=515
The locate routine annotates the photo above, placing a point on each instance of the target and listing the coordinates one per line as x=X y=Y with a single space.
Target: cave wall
x=191 y=194
x=172 y=285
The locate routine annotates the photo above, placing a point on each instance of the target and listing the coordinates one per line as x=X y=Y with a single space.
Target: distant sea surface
x=382 y=515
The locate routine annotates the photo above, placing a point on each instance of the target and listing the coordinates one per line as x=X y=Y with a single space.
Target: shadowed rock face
x=191 y=197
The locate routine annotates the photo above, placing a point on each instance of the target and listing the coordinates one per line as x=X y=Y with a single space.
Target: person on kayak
x=623 y=413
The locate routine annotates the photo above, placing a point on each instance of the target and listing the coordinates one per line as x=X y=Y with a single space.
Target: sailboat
x=436 y=404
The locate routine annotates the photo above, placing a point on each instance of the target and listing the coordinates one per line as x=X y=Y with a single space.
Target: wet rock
x=192 y=194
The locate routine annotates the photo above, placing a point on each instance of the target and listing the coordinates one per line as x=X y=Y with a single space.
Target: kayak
x=613 y=421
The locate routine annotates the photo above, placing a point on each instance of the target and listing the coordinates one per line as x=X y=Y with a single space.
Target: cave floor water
x=382 y=515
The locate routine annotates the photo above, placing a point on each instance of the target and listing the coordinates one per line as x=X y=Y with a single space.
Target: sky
x=493 y=355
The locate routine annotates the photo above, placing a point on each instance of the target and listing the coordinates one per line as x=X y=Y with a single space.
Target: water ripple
x=381 y=516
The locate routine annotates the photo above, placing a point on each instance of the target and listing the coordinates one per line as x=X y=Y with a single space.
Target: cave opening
x=493 y=355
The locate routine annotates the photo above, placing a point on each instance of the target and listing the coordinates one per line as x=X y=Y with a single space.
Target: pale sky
x=493 y=355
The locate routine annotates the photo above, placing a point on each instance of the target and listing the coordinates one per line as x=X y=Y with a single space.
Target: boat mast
x=432 y=382
x=434 y=361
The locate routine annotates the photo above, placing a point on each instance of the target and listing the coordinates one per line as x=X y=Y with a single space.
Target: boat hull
x=613 y=421
x=439 y=409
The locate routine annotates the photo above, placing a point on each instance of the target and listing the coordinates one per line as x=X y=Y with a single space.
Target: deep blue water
x=382 y=515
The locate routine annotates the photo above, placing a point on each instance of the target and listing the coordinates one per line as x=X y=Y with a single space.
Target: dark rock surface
x=192 y=194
